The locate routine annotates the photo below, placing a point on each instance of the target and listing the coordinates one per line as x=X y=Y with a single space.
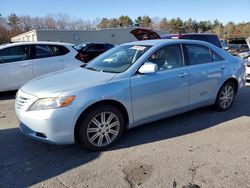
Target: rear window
x=237 y=41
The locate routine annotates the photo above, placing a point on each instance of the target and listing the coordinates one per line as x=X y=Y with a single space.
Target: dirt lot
x=202 y=147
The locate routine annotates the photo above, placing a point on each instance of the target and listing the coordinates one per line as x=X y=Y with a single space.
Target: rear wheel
x=101 y=127
x=225 y=97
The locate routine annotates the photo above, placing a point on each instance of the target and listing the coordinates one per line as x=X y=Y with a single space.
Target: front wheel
x=225 y=97
x=101 y=127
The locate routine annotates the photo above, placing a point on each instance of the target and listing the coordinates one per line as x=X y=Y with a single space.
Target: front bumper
x=52 y=126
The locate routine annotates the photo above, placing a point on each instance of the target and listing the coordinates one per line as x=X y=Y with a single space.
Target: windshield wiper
x=110 y=71
x=92 y=68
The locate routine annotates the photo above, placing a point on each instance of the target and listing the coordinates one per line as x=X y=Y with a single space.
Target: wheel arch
x=233 y=81
x=115 y=103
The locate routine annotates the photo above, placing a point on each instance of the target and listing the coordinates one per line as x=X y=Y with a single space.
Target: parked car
x=246 y=57
x=127 y=86
x=211 y=38
x=91 y=50
x=237 y=45
x=248 y=71
x=23 y=61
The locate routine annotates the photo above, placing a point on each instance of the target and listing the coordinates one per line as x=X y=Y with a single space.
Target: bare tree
x=26 y=23
x=63 y=21
x=78 y=25
x=14 y=23
x=38 y=23
x=50 y=22
x=4 y=32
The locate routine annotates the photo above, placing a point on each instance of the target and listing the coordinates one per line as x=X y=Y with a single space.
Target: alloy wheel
x=103 y=129
x=226 y=96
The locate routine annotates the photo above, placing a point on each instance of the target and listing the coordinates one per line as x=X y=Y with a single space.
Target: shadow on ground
x=25 y=162
x=6 y=95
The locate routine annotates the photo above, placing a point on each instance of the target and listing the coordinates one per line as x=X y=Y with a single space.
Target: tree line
x=13 y=25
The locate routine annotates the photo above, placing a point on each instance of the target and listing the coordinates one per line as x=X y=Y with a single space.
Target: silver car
x=130 y=85
x=22 y=61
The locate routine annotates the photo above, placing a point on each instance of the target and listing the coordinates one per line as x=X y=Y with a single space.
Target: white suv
x=23 y=61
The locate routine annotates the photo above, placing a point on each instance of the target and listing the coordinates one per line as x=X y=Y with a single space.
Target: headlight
x=50 y=103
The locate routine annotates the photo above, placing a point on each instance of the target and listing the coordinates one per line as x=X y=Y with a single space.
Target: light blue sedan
x=130 y=85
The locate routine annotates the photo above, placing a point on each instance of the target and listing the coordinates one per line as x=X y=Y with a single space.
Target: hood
x=72 y=79
x=144 y=34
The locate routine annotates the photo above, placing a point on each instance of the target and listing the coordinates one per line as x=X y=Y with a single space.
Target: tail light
x=80 y=57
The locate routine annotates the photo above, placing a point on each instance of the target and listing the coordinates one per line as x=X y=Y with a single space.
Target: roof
x=34 y=42
x=167 y=41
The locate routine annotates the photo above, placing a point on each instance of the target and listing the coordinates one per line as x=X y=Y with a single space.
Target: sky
x=223 y=10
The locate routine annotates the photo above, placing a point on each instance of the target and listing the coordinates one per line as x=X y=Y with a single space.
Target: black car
x=88 y=51
x=140 y=34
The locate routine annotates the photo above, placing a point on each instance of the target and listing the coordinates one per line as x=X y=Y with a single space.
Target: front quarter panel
x=117 y=90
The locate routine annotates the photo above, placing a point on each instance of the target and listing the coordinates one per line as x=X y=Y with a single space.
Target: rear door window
x=59 y=50
x=197 y=54
x=43 y=51
x=16 y=53
x=216 y=57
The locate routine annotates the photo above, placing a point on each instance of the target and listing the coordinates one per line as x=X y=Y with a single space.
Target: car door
x=15 y=67
x=162 y=92
x=206 y=70
x=48 y=58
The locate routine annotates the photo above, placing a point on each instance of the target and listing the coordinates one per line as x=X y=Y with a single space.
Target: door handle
x=183 y=74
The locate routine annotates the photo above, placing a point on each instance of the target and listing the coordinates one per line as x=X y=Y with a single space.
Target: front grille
x=24 y=100
x=21 y=102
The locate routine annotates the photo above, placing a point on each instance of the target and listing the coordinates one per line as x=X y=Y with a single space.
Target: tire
x=101 y=127
x=225 y=97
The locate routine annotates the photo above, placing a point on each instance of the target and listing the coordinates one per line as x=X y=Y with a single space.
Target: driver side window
x=15 y=54
x=167 y=57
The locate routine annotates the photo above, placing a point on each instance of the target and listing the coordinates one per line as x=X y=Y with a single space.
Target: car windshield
x=119 y=59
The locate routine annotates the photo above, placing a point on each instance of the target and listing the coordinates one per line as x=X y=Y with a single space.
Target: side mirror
x=148 y=68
